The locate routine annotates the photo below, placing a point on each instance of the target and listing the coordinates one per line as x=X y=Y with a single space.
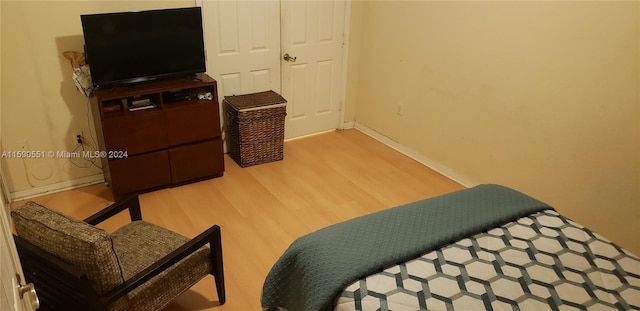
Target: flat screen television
x=129 y=47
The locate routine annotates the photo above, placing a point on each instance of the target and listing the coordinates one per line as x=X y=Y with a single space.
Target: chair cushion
x=79 y=244
x=140 y=244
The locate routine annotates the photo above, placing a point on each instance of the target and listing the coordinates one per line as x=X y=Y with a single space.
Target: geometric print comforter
x=540 y=262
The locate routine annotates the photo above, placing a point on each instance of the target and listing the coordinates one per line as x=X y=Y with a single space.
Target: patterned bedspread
x=540 y=262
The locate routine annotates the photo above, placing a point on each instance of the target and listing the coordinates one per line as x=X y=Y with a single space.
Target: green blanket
x=316 y=267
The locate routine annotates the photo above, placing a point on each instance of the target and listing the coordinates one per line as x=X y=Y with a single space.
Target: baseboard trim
x=309 y=135
x=442 y=169
x=348 y=125
x=57 y=187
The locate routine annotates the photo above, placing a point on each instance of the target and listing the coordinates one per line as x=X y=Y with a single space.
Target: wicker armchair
x=141 y=266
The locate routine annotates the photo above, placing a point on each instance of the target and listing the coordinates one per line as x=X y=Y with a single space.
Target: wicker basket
x=255 y=127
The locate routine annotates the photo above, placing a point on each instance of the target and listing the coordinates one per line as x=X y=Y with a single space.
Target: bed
x=484 y=248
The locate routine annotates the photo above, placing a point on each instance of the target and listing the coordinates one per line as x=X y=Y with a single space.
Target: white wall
x=539 y=96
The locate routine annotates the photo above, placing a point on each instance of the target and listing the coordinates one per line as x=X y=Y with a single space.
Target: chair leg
x=218 y=271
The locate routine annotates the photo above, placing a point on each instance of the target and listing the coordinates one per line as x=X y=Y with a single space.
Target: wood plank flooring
x=323 y=179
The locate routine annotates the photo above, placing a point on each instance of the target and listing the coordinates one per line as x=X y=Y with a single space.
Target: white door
x=243 y=45
x=313 y=37
x=10 y=269
x=245 y=42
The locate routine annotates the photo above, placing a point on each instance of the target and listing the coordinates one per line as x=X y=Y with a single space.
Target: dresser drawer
x=197 y=160
x=136 y=133
x=140 y=172
x=192 y=122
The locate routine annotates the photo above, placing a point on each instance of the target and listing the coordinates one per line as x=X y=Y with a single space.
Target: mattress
x=542 y=261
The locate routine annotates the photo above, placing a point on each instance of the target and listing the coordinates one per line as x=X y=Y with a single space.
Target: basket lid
x=255 y=100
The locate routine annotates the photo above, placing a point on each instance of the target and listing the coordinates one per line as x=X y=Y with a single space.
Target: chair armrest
x=211 y=235
x=131 y=202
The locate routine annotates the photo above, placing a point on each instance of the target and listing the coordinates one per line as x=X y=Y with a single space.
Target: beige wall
x=539 y=96
x=39 y=101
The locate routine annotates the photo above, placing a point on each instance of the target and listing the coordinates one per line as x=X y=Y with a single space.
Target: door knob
x=288 y=58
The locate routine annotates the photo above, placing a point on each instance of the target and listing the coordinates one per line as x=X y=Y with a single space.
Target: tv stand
x=158 y=134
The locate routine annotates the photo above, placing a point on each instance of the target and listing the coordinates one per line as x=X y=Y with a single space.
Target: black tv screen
x=139 y=46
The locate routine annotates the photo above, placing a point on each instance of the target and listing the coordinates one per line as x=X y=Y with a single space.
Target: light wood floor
x=323 y=179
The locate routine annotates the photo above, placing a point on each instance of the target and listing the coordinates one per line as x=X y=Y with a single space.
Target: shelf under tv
x=168 y=144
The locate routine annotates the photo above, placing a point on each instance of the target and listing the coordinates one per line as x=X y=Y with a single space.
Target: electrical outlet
x=76 y=136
